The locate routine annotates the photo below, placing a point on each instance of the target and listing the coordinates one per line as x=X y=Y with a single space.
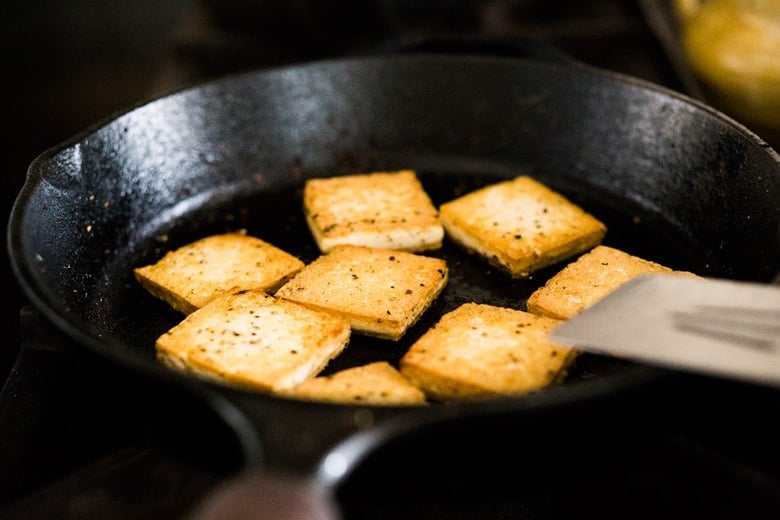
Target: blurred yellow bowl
x=733 y=46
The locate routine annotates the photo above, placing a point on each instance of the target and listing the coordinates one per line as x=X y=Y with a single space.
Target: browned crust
x=379 y=292
x=250 y=339
x=189 y=277
x=377 y=383
x=520 y=225
x=479 y=351
x=589 y=278
x=388 y=210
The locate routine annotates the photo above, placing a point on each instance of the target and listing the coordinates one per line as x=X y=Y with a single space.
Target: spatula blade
x=714 y=326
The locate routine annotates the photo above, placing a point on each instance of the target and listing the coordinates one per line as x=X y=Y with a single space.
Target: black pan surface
x=675 y=182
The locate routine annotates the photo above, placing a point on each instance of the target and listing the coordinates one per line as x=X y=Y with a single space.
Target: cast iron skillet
x=675 y=181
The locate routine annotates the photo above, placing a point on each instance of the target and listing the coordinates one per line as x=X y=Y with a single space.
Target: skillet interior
x=276 y=216
x=675 y=181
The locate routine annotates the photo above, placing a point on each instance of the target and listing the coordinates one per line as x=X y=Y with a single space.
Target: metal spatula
x=708 y=325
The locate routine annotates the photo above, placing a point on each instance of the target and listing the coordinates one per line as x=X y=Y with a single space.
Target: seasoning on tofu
x=379 y=292
x=189 y=277
x=389 y=210
x=520 y=225
x=479 y=351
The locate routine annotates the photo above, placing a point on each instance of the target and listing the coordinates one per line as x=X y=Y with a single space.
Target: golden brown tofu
x=377 y=383
x=589 y=278
x=479 y=351
x=389 y=210
x=520 y=225
x=250 y=339
x=378 y=291
x=189 y=277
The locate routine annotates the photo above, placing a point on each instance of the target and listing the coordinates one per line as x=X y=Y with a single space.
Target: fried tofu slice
x=389 y=210
x=252 y=340
x=378 y=383
x=520 y=225
x=588 y=279
x=380 y=292
x=480 y=351
x=189 y=277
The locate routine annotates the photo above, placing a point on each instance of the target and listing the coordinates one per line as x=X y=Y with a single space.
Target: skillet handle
x=299 y=452
x=295 y=436
x=267 y=495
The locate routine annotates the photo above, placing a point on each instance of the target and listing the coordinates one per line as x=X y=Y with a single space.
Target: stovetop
x=82 y=438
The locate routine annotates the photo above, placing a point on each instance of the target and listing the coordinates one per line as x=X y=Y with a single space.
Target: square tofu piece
x=191 y=276
x=389 y=210
x=520 y=225
x=250 y=339
x=588 y=279
x=480 y=351
x=377 y=383
x=378 y=291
